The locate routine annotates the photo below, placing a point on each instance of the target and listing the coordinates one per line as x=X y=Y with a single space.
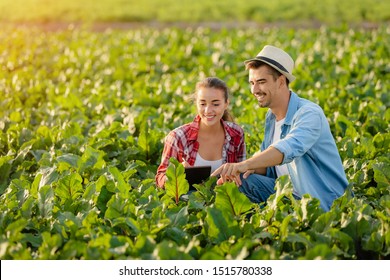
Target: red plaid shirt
x=181 y=143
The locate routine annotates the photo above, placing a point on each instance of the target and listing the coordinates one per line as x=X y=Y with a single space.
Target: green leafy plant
x=176 y=184
x=83 y=119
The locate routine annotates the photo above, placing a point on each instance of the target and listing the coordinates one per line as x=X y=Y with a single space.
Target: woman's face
x=211 y=105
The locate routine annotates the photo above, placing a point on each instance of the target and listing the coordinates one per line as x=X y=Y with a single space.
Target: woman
x=211 y=139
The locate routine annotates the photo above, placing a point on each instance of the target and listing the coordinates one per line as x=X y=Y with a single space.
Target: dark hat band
x=273 y=62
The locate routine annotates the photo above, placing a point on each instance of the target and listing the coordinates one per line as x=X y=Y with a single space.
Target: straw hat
x=277 y=59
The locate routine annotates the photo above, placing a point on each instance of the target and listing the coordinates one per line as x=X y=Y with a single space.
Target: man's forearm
x=260 y=161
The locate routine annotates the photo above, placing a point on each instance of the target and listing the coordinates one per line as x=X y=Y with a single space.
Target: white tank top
x=199 y=161
x=280 y=169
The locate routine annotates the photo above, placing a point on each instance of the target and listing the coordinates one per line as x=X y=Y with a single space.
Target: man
x=297 y=141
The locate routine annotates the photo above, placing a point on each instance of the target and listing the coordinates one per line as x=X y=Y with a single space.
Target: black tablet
x=197 y=174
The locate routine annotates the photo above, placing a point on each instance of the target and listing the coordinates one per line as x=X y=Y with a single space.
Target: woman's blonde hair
x=214 y=82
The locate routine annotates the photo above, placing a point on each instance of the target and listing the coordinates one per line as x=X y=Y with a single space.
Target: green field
x=84 y=113
x=188 y=11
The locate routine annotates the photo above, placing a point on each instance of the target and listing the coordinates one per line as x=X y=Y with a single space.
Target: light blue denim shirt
x=309 y=150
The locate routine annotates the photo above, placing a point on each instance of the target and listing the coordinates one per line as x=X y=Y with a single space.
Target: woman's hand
x=185 y=163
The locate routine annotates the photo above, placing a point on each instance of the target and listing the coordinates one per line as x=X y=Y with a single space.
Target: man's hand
x=230 y=172
x=247 y=173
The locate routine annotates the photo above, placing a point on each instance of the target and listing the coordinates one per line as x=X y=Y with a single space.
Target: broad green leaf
x=16 y=226
x=382 y=172
x=343 y=240
x=144 y=246
x=118 y=206
x=168 y=250
x=49 y=175
x=178 y=219
x=205 y=192
x=50 y=244
x=5 y=169
x=221 y=226
x=320 y=252
x=143 y=139
x=325 y=221
x=22 y=190
x=310 y=209
x=73 y=249
x=382 y=140
x=375 y=242
x=212 y=255
x=300 y=237
x=149 y=141
x=285 y=227
x=120 y=183
x=103 y=198
x=177 y=234
x=91 y=219
x=129 y=223
x=70 y=223
x=71 y=160
x=358 y=223
x=92 y=158
x=342 y=123
x=45 y=201
x=34 y=239
x=158 y=225
x=230 y=199
x=70 y=187
x=284 y=188
x=71 y=129
x=176 y=184
x=27 y=209
x=242 y=249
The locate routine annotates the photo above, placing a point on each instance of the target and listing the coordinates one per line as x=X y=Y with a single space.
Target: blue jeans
x=257 y=188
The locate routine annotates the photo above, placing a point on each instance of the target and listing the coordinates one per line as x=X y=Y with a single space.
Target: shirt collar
x=194 y=129
x=292 y=107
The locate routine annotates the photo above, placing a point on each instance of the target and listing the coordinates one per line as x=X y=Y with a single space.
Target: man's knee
x=257 y=187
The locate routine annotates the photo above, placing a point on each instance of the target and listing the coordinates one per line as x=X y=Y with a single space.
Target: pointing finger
x=217 y=171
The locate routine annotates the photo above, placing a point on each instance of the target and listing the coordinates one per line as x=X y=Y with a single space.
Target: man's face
x=263 y=86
